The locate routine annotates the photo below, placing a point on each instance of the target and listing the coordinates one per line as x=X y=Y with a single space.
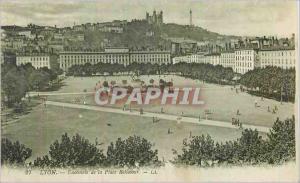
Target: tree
x=105 y=84
x=281 y=141
x=272 y=82
x=77 y=151
x=39 y=79
x=227 y=152
x=14 y=86
x=14 y=153
x=132 y=151
x=198 y=151
x=250 y=148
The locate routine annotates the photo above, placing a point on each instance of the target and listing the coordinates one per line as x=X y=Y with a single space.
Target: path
x=32 y=94
x=158 y=115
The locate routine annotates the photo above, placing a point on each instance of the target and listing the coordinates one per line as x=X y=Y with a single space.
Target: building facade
x=195 y=58
x=113 y=55
x=283 y=58
x=245 y=60
x=227 y=59
x=213 y=58
x=36 y=61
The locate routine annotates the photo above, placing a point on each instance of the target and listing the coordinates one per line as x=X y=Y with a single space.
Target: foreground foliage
x=250 y=148
x=77 y=151
x=14 y=153
x=133 y=151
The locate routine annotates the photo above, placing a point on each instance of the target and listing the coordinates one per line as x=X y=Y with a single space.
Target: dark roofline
x=277 y=49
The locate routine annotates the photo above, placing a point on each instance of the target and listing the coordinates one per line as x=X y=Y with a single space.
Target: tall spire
x=191 y=17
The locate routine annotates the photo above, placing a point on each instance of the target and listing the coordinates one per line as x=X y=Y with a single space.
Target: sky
x=230 y=17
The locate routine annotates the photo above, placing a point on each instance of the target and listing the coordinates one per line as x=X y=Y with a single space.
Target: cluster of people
x=274 y=110
x=155 y=119
x=236 y=122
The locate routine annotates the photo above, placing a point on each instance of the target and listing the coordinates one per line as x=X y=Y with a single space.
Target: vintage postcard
x=149 y=91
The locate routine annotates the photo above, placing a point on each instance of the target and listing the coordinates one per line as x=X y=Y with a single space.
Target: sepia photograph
x=149 y=91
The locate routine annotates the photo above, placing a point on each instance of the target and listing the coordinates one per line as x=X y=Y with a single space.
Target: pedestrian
x=96 y=141
x=238 y=112
x=268 y=108
x=190 y=134
x=141 y=111
x=199 y=117
x=169 y=131
x=241 y=126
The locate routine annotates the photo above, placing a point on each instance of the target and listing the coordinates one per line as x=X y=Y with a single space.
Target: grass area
x=221 y=100
x=9 y=115
x=44 y=125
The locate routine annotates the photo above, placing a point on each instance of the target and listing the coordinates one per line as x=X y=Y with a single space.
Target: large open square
x=45 y=124
x=222 y=101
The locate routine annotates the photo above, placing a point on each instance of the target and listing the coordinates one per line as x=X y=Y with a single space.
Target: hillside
x=140 y=35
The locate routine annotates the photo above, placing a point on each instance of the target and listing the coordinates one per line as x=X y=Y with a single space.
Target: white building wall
x=68 y=59
x=227 y=59
x=280 y=58
x=245 y=60
x=36 y=61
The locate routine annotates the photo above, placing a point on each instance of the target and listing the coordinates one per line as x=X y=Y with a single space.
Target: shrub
x=14 y=153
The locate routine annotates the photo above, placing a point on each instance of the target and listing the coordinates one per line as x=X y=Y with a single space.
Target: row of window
x=249 y=58
x=33 y=58
x=287 y=62
x=244 y=64
x=278 y=53
x=244 y=52
x=117 y=56
x=70 y=63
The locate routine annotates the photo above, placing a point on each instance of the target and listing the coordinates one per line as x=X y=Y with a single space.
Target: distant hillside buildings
x=35 y=44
